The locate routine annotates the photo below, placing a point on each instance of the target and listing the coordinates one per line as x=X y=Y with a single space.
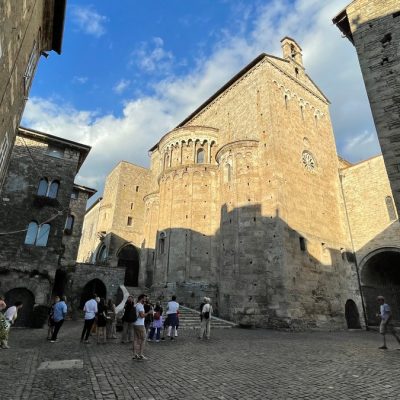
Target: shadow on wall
x=257 y=269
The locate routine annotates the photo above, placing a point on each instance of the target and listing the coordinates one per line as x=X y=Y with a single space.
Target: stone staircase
x=190 y=319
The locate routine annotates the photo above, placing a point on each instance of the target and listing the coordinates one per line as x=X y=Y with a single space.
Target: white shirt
x=385 y=312
x=172 y=307
x=90 y=309
x=10 y=313
x=207 y=308
x=139 y=321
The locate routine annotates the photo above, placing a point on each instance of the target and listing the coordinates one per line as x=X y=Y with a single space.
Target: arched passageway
x=380 y=276
x=94 y=286
x=60 y=282
x=352 y=315
x=27 y=298
x=128 y=258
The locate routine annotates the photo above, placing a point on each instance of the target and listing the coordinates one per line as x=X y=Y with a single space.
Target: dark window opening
x=386 y=39
x=396 y=14
x=200 y=156
x=129 y=222
x=137 y=188
x=303 y=246
x=69 y=225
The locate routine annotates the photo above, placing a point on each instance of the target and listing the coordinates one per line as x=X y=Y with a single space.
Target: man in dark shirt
x=127 y=320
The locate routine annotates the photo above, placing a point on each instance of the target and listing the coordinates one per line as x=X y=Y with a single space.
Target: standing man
x=139 y=331
x=206 y=313
x=172 y=316
x=59 y=313
x=128 y=319
x=386 y=318
x=90 y=310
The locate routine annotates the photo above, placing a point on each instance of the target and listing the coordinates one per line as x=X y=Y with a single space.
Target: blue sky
x=132 y=70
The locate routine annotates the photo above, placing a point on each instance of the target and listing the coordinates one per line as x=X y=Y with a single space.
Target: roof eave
x=58 y=25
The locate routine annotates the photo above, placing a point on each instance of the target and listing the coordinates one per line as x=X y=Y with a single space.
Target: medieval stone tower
x=246 y=205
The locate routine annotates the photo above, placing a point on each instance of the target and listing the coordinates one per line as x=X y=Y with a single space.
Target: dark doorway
x=28 y=300
x=352 y=315
x=60 y=281
x=128 y=258
x=94 y=286
x=381 y=277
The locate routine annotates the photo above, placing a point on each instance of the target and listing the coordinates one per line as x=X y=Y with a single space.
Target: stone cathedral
x=247 y=201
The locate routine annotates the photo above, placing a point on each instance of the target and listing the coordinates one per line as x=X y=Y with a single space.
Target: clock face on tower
x=308 y=161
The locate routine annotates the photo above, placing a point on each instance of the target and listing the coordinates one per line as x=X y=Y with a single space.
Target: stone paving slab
x=234 y=364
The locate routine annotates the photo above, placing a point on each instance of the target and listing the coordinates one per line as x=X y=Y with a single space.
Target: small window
x=161 y=243
x=43 y=235
x=43 y=186
x=102 y=256
x=55 y=151
x=228 y=173
x=30 y=68
x=37 y=235
x=286 y=101
x=166 y=161
x=137 y=189
x=3 y=151
x=129 y=222
x=303 y=246
x=31 y=233
x=75 y=194
x=390 y=208
x=302 y=112
x=53 y=189
x=200 y=156
x=69 y=224
x=131 y=206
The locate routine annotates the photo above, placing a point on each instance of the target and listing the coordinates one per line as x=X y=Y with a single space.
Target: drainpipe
x=354 y=252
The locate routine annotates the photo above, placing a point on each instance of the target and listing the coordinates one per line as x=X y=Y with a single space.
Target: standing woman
x=111 y=320
x=101 y=321
x=4 y=326
x=11 y=315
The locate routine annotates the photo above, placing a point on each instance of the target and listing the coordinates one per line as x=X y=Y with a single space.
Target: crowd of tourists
x=141 y=321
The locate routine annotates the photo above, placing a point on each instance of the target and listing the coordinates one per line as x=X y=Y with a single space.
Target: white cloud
x=121 y=86
x=88 y=20
x=151 y=57
x=356 y=147
x=330 y=60
x=80 y=79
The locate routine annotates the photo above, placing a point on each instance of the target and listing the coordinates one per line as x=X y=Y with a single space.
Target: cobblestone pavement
x=234 y=364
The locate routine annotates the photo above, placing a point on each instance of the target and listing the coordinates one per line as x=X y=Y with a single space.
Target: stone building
x=29 y=28
x=249 y=203
x=41 y=217
x=373 y=27
x=114 y=225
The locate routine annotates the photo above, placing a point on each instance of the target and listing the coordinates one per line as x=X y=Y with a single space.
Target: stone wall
x=375 y=32
x=27 y=30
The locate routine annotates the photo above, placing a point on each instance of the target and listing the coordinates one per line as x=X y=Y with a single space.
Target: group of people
x=147 y=321
x=8 y=317
x=143 y=320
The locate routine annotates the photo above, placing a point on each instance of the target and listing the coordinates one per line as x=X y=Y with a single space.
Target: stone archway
x=352 y=315
x=94 y=286
x=128 y=257
x=380 y=276
x=27 y=298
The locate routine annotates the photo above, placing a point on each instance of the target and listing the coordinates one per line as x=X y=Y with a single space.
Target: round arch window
x=308 y=161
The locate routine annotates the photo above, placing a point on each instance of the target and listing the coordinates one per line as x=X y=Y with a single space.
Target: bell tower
x=292 y=51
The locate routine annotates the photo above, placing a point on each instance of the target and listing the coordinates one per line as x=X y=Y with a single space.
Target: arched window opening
x=69 y=224
x=43 y=235
x=102 y=253
x=43 y=186
x=31 y=233
x=286 y=101
x=228 y=173
x=200 y=156
x=390 y=208
x=166 y=161
x=161 y=243
x=53 y=189
x=302 y=112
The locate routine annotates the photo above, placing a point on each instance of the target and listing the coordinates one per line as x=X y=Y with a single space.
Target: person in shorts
x=139 y=331
x=386 y=326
